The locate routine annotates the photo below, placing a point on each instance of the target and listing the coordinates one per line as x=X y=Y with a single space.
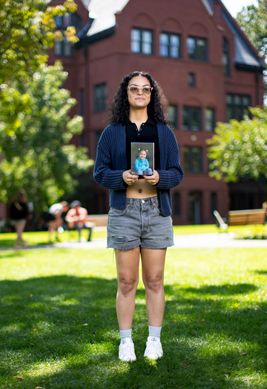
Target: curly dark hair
x=119 y=111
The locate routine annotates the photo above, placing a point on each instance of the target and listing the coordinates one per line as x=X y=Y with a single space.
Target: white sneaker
x=126 y=350
x=153 y=348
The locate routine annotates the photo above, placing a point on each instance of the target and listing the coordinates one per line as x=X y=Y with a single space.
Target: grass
x=59 y=327
x=41 y=238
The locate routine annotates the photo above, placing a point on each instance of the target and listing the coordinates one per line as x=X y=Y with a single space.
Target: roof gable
x=103 y=23
x=103 y=13
x=245 y=56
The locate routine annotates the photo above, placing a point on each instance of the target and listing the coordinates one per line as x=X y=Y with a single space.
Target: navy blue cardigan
x=111 y=162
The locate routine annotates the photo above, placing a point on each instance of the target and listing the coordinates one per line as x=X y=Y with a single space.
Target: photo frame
x=142 y=158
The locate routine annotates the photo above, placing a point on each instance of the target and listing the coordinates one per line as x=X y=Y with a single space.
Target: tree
x=253 y=20
x=27 y=30
x=239 y=149
x=36 y=154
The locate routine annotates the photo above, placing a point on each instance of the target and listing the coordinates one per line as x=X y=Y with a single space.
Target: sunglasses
x=146 y=90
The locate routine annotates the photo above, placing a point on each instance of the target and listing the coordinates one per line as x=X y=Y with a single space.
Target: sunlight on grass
x=46 y=369
x=58 y=321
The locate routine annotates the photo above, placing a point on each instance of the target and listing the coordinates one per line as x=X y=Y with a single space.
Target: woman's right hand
x=129 y=178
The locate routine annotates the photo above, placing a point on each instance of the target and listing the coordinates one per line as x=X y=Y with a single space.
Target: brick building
x=208 y=70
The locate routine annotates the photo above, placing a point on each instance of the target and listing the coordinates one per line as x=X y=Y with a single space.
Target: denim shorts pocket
x=117 y=212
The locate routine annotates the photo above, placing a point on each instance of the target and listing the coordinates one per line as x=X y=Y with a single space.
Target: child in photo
x=142 y=164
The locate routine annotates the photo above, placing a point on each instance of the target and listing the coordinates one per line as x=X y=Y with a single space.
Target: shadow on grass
x=11 y=254
x=226 y=290
x=261 y=272
x=63 y=330
x=9 y=243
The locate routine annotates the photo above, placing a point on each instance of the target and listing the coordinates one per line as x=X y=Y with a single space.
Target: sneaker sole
x=131 y=359
x=153 y=356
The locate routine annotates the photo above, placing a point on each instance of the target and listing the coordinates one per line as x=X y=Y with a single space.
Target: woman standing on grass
x=139 y=220
x=19 y=213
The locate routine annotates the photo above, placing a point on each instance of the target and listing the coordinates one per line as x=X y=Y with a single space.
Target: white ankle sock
x=154 y=331
x=126 y=333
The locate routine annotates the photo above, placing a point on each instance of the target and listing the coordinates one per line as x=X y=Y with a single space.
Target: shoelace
x=128 y=349
x=153 y=345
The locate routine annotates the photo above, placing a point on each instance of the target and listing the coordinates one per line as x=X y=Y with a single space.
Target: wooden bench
x=91 y=222
x=250 y=216
x=241 y=218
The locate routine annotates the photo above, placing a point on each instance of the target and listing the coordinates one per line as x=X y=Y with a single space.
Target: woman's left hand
x=152 y=180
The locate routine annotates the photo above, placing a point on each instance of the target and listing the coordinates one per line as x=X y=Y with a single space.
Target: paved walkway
x=215 y=240
x=183 y=241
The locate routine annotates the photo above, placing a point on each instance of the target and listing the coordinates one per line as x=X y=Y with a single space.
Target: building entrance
x=194 y=208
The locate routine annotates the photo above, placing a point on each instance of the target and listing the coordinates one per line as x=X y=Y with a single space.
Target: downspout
x=257 y=88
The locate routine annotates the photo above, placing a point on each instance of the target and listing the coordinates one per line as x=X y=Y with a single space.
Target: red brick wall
x=110 y=59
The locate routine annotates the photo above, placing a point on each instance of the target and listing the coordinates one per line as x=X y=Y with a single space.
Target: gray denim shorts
x=139 y=224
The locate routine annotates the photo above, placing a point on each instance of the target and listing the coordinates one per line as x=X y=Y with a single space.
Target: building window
x=192 y=159
x=170 y=45
x=226 y=57
x=197 y=49
x=192 y=118
x=176 y=204
x=172 y=115
x=82 y=139
x=237 y=106
x=62 y=22
x=142 y=41
x=100 y=97
x=213 y=202
x=81 y=102
x=192 y=80
x=210 y=119
x=63 y=48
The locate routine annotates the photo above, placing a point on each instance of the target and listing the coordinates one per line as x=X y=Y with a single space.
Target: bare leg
x=19 y=227
x=52 y=227
x=58 y=223
x=127 y=275
x=153 y=276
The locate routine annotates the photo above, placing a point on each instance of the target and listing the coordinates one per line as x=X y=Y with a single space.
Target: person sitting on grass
x=76 y=217
x=54 y=218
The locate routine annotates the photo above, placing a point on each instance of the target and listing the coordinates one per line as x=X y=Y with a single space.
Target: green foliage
x=253 y=232
x=253 y=19
x=36 y=151
x=239 y=149
x=27 y=31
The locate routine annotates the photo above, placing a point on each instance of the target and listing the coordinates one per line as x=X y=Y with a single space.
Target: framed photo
x=142 y=158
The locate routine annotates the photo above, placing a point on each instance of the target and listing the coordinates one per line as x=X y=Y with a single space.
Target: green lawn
x=59 y=328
